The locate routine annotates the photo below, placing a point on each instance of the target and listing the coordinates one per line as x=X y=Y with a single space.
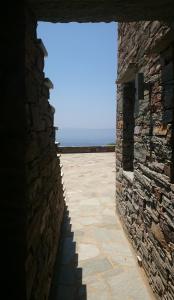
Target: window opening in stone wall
x=128 y=125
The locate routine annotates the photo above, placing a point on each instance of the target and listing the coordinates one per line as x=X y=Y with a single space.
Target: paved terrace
x=96 y=261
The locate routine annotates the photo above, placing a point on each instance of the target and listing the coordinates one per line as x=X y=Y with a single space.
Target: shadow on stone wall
x=67 y=280
x=128 y=125
x=161 y=116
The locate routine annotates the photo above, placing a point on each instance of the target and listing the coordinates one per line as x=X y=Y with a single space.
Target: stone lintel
x=101 y=10
x=127 y=74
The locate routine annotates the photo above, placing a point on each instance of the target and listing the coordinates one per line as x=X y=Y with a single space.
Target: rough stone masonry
x=44 y=189
x=144 y=152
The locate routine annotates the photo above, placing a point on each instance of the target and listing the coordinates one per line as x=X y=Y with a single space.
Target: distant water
x=85 y=137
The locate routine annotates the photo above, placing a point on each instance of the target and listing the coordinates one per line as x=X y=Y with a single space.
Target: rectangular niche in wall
x=128 y=125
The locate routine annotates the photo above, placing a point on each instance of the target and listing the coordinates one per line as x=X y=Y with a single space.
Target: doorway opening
x=82 y=63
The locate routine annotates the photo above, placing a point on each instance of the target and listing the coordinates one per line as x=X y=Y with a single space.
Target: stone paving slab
x=106 y=265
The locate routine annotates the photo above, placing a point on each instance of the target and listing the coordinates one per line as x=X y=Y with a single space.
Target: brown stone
x=158 y=234
x=158 y=193
x=160 y=130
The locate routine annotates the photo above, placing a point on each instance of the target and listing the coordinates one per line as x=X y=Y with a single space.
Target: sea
x=85 y=137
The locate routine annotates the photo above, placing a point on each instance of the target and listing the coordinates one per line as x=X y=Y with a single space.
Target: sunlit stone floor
x=96 y=261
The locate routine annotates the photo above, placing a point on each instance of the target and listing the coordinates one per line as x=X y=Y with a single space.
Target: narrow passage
x=96 y=260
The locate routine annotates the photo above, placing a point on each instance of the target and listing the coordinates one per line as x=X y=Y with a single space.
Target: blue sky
x=81 y=63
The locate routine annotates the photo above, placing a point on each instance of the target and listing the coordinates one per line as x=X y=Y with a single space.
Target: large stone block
x=102 y=11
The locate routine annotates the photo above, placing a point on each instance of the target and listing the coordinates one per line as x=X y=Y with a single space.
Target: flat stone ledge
x=88 y=149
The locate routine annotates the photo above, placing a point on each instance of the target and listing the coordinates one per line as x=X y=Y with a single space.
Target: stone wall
x=44 y=192
x=85 y=149
x=145 y=194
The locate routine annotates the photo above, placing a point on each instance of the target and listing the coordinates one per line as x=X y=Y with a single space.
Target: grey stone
x=94 y=266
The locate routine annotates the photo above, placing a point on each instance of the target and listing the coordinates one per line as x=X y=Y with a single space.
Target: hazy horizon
x=83 y=128
x=85 y=137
